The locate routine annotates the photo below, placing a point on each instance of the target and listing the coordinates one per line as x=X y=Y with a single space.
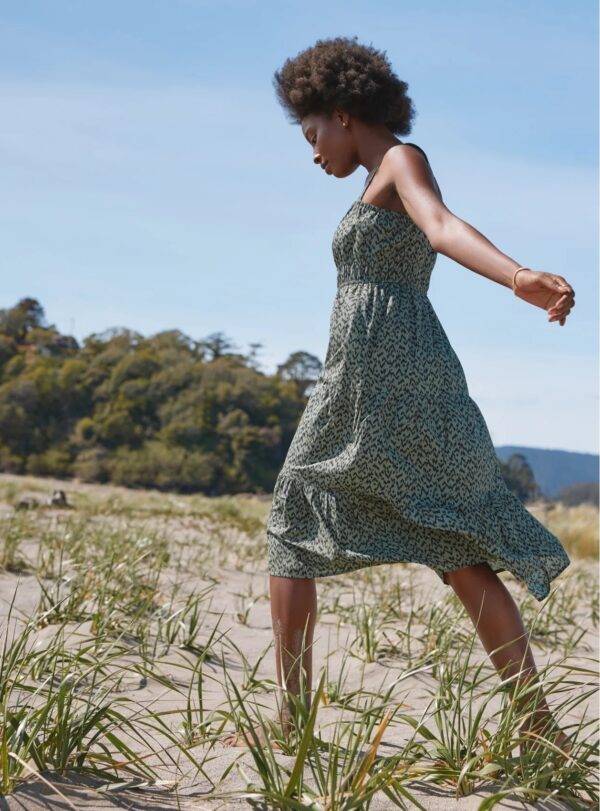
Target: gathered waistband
x=351 y=274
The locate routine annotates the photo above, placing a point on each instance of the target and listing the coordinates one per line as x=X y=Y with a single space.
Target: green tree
x=301 y=367
x=163 y=411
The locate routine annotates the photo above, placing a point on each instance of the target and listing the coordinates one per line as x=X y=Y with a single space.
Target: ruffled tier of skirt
x=314 y=532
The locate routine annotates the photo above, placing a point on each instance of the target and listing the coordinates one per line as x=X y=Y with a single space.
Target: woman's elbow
x=439 y=229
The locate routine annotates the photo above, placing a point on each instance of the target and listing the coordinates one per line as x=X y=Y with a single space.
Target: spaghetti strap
x=369 y=178
x=373 y=171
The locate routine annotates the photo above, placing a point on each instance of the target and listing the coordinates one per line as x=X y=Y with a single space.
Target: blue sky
x=151 y=179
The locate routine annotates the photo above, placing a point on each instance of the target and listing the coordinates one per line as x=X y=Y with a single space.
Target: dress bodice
x=379 y=245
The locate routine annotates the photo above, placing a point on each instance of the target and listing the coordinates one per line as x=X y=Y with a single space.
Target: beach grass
x=136 y=634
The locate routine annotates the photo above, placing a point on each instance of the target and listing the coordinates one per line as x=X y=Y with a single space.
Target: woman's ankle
x=291 y=707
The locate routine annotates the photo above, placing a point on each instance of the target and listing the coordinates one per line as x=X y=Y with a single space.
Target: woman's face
x=331 y=142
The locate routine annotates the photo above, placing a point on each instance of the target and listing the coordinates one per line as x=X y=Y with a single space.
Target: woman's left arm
x=457 y=239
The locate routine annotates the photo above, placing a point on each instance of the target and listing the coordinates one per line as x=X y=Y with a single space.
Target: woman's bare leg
x=499 y=625
x=293 y=615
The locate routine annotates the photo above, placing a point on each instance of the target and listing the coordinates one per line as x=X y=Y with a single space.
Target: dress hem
x=319 y=552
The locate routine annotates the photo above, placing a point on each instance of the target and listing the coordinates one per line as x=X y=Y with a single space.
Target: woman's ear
x=344 y=118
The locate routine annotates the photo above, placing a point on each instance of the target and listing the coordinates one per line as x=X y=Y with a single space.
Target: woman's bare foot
x=553 y=734
x=277 y=731
x=241 y=739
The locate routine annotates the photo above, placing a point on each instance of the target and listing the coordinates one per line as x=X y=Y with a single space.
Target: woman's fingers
x=566 y=288
x=561 y=308
x=565 y=301
x=562 y=311
x=559 y=302
x=560 y=280
x=563 y=305
x=560 y=283
x=561 y=316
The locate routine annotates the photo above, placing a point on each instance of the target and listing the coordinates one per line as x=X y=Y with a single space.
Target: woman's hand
x=546 y=290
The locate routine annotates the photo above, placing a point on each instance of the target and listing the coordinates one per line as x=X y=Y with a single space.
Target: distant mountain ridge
x=555 y=469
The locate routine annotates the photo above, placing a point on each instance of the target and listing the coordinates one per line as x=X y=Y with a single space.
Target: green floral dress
x=392 y=459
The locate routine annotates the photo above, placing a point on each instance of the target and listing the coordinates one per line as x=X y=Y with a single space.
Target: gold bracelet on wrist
x=514 y=287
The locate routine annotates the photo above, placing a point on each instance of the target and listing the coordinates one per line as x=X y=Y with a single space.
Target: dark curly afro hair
x=341 y=73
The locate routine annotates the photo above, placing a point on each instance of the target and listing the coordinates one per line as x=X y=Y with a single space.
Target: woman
x=392 y=460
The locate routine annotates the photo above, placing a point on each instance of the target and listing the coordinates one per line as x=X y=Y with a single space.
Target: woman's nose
x=316 y=158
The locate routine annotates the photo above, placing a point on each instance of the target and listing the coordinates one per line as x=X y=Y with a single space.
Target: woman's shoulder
x=398 y=154
x=409 y=143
